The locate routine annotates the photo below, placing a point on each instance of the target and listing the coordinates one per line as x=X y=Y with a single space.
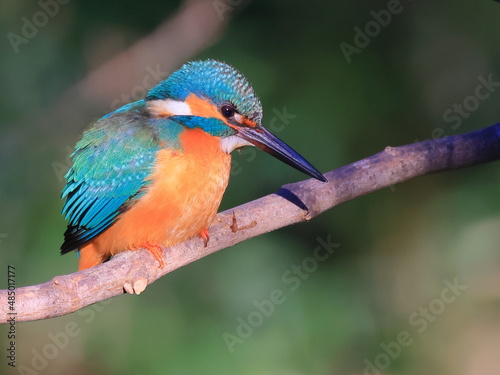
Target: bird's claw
x=157 y=252
x=205 y=236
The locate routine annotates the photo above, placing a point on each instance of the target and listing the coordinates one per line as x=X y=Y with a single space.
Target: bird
x=153 y=172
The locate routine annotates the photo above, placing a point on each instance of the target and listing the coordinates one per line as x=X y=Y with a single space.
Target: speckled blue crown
x=212 y=80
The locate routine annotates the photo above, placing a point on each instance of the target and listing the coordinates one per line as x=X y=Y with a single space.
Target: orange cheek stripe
x=200 y=107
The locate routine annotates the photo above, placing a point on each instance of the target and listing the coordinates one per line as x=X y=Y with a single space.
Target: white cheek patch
x=228 y=144
x=169 y=107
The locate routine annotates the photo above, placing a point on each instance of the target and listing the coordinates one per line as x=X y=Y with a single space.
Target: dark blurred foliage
x=398 y=247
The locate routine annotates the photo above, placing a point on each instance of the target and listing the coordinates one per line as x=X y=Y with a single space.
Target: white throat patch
x=229 y=144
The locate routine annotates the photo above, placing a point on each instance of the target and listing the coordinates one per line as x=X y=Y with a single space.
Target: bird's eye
x=227 y=111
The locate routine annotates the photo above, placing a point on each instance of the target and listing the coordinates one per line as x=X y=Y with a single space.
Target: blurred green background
x=399 y=249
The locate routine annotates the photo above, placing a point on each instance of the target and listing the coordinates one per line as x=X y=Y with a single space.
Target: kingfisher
x=152 y=173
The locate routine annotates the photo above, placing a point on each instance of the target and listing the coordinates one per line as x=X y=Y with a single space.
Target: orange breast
x=185 y=192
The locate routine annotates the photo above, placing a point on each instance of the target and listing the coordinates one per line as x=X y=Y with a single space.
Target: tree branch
x=293 y=203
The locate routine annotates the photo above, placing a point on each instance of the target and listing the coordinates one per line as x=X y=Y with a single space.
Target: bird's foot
x=156 y=251
x=204 y=235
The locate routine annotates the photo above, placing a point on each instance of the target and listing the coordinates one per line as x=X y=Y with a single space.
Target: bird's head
x=215 y=97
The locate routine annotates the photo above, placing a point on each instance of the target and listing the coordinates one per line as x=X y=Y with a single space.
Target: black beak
x=268 y=142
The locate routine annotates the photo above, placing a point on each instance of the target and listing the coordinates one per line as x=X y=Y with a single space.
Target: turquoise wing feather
x=111 y=164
